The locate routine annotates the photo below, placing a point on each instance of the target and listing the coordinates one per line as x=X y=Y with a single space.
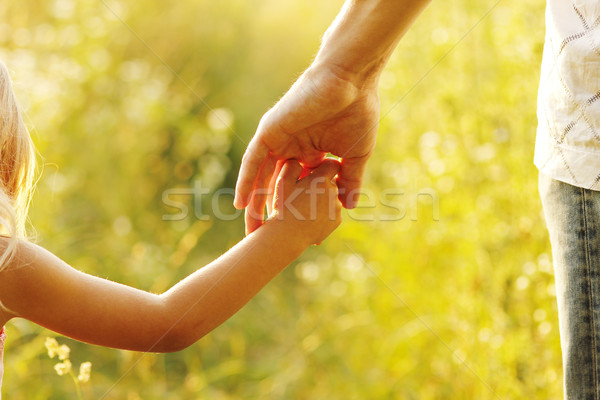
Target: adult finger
x=349 y=180
x=255 y=210
x=252 y=163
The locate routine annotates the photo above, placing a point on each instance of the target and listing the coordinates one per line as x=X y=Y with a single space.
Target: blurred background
x=441 y=291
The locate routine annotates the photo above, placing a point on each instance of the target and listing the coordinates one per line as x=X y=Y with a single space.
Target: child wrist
x=288 y=232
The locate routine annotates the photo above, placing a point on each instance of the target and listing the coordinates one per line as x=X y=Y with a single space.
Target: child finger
x=255 y=211
x=272 y=187
x=291 y=171
x=328 y=169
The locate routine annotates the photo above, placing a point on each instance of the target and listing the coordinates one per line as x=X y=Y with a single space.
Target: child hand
x=307 y=200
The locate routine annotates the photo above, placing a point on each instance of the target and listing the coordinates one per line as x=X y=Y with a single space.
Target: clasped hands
x=323 y=112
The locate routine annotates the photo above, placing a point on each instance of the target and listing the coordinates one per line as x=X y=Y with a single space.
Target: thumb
x=328 y=169
x=350 y=180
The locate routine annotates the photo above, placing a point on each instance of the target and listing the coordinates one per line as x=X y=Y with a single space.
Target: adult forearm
x=208 y=297
x=362 y=37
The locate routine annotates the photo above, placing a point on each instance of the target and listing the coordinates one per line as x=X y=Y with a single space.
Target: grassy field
x=440 y=286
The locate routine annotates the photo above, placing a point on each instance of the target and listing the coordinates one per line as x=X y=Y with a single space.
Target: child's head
x=17 y=164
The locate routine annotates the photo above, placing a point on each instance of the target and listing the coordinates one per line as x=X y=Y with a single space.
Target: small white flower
x=52 y=346
x=63 y=352
x=63 y=367
x=84 y=371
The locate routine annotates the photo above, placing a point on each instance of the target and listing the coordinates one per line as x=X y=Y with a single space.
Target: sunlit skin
x=337 y=324
x=333 y=107
x=42 y=288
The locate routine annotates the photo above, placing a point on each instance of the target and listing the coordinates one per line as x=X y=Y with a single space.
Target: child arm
x=42 y=288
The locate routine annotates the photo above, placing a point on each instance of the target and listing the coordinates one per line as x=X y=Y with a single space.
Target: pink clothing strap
x=2 y=340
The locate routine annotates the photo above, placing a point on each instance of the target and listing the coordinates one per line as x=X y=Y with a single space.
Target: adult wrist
x=359 y=78
x=363 y=36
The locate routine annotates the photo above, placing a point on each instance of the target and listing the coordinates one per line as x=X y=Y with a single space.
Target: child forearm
x=106 y=313
x=208 y=297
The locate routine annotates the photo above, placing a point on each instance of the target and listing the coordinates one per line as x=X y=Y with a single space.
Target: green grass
x=455 y=307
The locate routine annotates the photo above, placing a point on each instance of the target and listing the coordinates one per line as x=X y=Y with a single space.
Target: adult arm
x=333 y=107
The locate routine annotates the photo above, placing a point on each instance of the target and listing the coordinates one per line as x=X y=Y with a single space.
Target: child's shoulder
x=20 y=265
x=16 y=253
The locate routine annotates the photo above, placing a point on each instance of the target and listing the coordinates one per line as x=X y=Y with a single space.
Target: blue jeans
x=573 y=219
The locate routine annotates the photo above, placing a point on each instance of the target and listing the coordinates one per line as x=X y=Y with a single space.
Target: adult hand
x=325 y=111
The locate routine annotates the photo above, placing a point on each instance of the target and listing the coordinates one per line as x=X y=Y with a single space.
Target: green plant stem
x=79 y=394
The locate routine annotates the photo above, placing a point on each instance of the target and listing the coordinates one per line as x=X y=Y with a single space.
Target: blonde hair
x=17 y=166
